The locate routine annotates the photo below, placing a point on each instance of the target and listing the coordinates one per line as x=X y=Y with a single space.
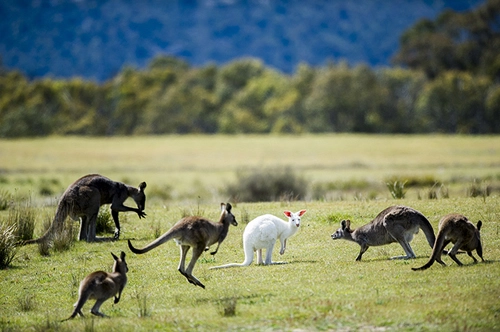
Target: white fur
x=262 y=233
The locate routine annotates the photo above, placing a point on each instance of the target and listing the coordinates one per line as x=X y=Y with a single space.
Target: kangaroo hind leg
x=96 y=307
x=403 y=236
x=408 y=250
x=184 y=250
x=197 y=251
x=452 y=253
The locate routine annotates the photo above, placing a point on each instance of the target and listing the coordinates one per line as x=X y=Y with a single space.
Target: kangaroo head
x=344 y=230
x=120 y=265
x=226 y=215
x=139 y=196
x=294 y=218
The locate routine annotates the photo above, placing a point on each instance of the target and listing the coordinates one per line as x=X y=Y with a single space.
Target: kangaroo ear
x=114 y=257
x=287 y=213
x=122 y=255
x=228 y=207
x=301 y=212
x=346 y=224
x=222 y=207
x=142 y=186
x=479 y=224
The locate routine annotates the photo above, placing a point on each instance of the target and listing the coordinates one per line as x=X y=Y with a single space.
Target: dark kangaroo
x=101 y=286
x=196 y=232
x=394 y=224
x=457 y=229
x=83 y=199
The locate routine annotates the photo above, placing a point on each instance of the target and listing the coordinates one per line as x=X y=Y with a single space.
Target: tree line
x=455 y=89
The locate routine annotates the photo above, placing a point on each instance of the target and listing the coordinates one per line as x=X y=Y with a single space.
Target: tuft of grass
x=23 y=216
x=334 y=218
x=477 y=189
x=397 y=189
x=142 y=303
x=104 y=221
x=5 y=199
x=156 y=225
x=227 y=306
x=26 y=302
x=8 y=241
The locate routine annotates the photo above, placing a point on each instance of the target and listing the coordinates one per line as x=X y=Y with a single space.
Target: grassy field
x=322 y=287
x=184 y=168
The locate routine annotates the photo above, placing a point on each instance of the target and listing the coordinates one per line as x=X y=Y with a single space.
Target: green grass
x=192 y=168
x=322 y=287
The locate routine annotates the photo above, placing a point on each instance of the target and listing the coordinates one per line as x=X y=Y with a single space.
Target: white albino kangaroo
x=196 y=232
x=101 y=286
x=394 y=224
x=262 y=233
x=84 y=197
x=457 y=229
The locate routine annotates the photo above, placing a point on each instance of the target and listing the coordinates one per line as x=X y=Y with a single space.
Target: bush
x=267 y=185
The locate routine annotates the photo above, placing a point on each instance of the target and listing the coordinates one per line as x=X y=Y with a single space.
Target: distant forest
x=446 y=79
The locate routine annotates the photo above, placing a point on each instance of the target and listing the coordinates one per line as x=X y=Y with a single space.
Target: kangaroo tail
x=56 y=226
x=228 y=265
x=436 y=252
x=162 y=239
x=247 y=262
x=426 y=227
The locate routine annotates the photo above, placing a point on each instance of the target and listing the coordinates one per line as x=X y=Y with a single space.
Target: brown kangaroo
x=101 y=286
x=83 y=199
x=457 y=229
x=196 y=232
x=394 y=224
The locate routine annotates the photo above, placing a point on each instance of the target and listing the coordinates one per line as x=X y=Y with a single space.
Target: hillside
x=96 y=39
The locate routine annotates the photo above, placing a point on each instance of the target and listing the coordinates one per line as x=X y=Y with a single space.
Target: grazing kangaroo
x=101 y=286
x=394 y=224
x=83 y=199
x=457 y=229
x=196 y=232
x=262 y=233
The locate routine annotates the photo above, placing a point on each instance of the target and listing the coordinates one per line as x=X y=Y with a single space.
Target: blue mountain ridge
x=96 y=39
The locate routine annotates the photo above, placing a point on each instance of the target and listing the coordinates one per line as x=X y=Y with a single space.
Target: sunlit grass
x=322 y=287
x=182 y=168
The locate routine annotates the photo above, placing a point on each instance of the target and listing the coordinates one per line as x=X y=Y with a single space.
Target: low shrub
x=271 y=184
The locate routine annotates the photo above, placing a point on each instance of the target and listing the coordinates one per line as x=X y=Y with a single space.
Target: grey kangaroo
x=196 y=232
x=394 y=224
x=84 y=197
x=101 y=286
x=457 y=229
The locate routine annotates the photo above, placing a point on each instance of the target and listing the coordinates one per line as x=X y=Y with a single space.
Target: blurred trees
x=244 y=96
x=451 y=85
x=468 y=41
